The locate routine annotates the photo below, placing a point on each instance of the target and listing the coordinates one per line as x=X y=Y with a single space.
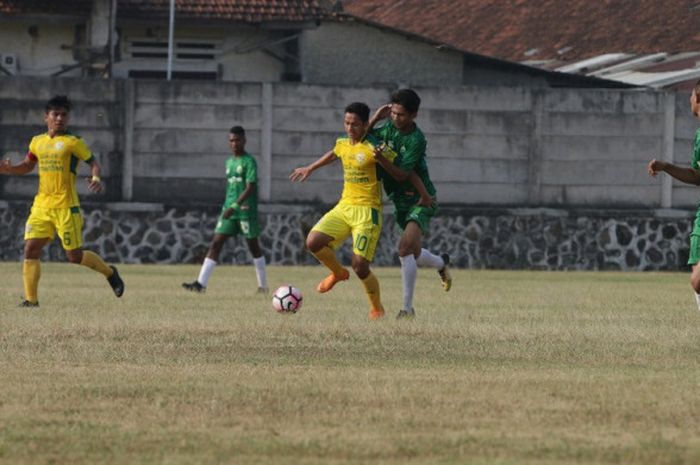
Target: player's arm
x=381 y=113
x=249 y=187
x=27 y=165
x=301 y=174
x=683 y=174
x=426 y=200
x=95 y=181
x=393 y=170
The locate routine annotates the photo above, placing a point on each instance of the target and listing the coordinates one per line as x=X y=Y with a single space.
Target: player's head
x=695 y=100
x=404 y=109
x=356 y=120
x=236 y=140
x=56 y=114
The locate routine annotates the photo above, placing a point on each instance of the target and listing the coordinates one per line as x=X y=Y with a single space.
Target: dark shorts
x=420 y=215
x=246 y=226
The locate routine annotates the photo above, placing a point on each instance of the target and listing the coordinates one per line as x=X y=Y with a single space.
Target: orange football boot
x=376 y=314
x=331 y=280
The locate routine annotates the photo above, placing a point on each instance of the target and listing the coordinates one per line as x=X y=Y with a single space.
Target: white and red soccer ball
x=287 y=299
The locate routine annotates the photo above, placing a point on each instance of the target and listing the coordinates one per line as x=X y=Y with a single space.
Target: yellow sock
x=94 y=261
x=371 y=284
x=327 y=256
x=31 y=271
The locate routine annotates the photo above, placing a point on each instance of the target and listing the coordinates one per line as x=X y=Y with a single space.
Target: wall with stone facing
x=545 y=239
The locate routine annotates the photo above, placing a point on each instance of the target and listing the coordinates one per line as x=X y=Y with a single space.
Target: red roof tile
x=522 y=30
x=249 y=11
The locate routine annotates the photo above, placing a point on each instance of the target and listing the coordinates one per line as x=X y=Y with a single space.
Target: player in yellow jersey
x=359 y=211
x=56 y=208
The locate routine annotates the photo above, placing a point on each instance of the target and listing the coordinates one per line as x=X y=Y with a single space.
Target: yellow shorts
x=43 y=223
x=363 y=223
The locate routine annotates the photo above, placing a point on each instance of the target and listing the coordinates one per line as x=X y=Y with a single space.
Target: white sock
x=427 y=258
x=409 y=270
x=697 y=299
x=206 y=271
x=260 y=271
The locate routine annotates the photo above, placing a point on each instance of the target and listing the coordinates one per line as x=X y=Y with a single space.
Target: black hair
x=360 y=109
x=58 y=101
x=697 y=88
x=407 y=98
x=238 y=130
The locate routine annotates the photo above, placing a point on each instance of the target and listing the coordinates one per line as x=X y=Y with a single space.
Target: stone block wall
x=543 y=239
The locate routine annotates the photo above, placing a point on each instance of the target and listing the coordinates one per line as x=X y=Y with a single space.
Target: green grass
x=507 y=368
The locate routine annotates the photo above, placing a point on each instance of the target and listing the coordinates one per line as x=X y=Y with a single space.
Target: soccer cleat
x=444 y=273
x=376 y=314
x=406 y=314
x=28 y=304
x=194 y=286
x=331 y=280
x=116 y=282
x=261 y=290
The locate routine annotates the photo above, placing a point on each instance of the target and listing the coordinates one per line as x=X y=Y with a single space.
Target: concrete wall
x=166 y=142
x=356 y=54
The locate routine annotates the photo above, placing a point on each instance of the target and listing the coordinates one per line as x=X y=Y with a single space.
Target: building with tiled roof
x=663 y=37
x=314 y=41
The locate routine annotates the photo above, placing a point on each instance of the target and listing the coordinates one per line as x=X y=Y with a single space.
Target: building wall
x=239 y=55
x=42 y=54
x=166 y=142
x=352 y=54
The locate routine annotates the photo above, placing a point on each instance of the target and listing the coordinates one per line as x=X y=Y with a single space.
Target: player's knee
x=74 y=256
x=360 y=267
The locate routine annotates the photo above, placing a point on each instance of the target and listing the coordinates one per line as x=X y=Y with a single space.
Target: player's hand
x=382 y=112
x=228 y=212
x=428 y=202
x=379 y=152
x=300 y=174
x=5 y=165
x=94 y=185
x=655 y=166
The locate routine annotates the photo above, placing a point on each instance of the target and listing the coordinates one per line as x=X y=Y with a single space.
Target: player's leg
x=225 y=228
x=330 y=231
x=210 y=262
x=251 y=231
x=366 y=224
x=440 y=262
x=38 y=231
x=694 y=261
x=69 y=225
x=259 y=263
x=409 y=249
x=31 y=271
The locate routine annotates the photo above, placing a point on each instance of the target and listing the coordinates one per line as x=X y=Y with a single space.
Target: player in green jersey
x=404 y=137
x=239 y=214
x=688 y=175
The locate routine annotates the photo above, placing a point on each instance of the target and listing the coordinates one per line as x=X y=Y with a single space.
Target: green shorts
x=247 y=226
x=421 y=215
x=694 y=255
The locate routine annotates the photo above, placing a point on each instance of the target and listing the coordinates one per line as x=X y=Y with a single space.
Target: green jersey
x=241 y=170
x=410 y=156
x=695 y=164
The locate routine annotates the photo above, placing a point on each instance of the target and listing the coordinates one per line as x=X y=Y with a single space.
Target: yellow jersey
x=58 y=159
x=361 y=183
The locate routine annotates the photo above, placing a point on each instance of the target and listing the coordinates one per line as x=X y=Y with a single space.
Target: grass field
x=507 y=368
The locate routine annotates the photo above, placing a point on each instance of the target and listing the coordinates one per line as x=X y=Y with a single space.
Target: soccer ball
x=287 y=299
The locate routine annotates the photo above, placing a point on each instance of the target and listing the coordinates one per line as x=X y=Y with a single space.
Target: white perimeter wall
x=167 y=142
